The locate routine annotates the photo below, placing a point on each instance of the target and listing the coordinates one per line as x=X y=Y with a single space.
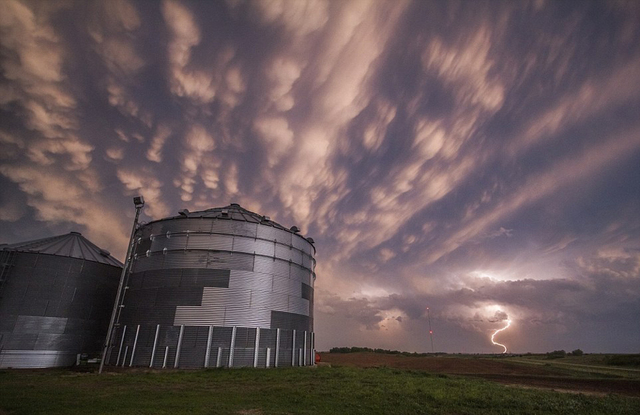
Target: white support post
x=275 y=363
x=166 y=357
x=232 y=346
x=219 y=357
x=293 y=349
x=256 y=348
x=176 y=362
x=124 y=333
x=135 y=343
x=207 y=354
x=268 y=356
x=304 y=353
x=155 y=345
x=124 y=358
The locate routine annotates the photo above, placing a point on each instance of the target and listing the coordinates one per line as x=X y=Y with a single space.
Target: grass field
x=321 y=390
x=586 y=374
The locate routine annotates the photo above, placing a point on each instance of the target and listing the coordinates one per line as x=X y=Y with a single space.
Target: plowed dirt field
x=502 y=371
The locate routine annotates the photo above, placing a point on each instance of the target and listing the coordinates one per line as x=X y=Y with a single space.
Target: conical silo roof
x=72 y=245
x=236 y=212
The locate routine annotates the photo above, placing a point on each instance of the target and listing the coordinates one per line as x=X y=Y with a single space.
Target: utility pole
x=430 y=331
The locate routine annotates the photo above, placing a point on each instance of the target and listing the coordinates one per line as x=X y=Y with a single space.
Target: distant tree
x=356 y=349
x=577 y=352
x=556 y=354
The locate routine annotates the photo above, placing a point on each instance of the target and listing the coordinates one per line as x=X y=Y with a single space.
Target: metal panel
x=199 y=316
x=245 y=229
x=211 y=242
x=298 y=305
x=20 y=341
x=307 y=292
x=282 y=237
x=286 y=286
x=7 y=323
x=186 y=224
x=193 y=348
x=224 y=226
x=250 y=280
x=296 y=256
x=307 y=262
x=35 y=359
x=36 y=324
x=271 y=266
x=250 y=245
x=267 y=232
x=301 y=244
x=230 y=260
x=257 y=318
x=301 y=274
x=284 y=252
x=185 y=259
x=173 y=242
x=289 y=321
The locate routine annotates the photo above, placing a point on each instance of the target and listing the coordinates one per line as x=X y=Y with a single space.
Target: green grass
x=585 y=366
x=323 y=390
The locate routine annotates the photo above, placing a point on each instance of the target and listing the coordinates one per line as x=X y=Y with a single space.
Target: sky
x=479 y=159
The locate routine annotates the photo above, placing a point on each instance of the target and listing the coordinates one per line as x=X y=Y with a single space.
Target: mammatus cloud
x=476 y=159
x=54 y=169
x=194 y=84
x=154 y=153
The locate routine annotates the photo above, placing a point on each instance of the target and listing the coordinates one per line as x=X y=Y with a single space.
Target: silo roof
x=236 y=212
x=72 y=245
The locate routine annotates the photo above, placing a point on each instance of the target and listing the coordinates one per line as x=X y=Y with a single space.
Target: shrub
x=623 y=360
x=556 y=354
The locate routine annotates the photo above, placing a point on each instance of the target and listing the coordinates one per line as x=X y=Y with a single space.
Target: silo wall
x=217 y=292
x=52 y=308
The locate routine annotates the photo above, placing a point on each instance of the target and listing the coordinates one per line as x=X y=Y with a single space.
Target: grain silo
x=223 y=287
x=55 y=298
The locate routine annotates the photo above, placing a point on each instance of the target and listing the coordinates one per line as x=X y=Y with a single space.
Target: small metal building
x=223 y=287
x=56 y=296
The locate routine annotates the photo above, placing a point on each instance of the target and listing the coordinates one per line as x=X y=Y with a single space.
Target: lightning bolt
x=498 y=331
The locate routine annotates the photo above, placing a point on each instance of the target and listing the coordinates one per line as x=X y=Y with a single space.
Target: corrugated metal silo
x=220 y=287
x=55 y=298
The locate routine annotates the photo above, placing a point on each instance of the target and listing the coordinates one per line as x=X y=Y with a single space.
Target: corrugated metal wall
x=194 y=279
x=53 y=307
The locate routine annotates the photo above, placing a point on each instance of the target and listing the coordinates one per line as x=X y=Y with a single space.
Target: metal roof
x=236 y=212
x=72 y=245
